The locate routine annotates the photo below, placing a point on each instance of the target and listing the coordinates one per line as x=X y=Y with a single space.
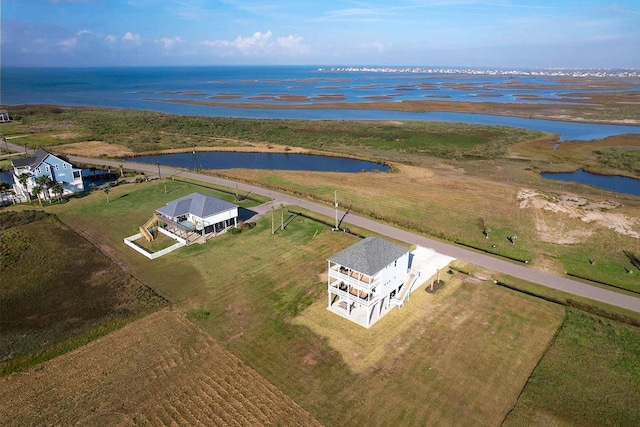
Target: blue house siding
x=44 y=163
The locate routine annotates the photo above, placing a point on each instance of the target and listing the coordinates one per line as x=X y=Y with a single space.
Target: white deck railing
x=355 y=298
x=336 y=274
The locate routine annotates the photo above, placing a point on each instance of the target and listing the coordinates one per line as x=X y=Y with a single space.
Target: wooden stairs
x=400 y=299
x=144 y=230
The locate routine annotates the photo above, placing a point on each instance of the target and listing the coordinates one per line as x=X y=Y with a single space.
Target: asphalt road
x=486 y=261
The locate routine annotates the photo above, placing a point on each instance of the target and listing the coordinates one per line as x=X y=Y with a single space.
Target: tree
x=44 y=182
x=107 y=190
x=23 y=178
x=36 y=191
x=57 y=190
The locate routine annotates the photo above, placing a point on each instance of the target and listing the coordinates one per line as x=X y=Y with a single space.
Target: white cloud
x=293 y=44
x=170 y=42
x=68 y=45
x=260 y=44
x=111 y=39
x=129 y=37
x=84 y=33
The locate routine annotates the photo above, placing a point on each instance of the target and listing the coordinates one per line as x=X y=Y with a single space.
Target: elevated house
x=368 y=278
x=198 y=215
x=57 y=168
x=4 y=116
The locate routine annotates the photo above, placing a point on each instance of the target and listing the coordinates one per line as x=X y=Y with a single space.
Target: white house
x=365 y=277
x=200 y=213
x=4 y=116
x=43 y=163
x=369 y=278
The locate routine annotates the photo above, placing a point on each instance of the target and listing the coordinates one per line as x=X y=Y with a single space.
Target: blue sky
x=457 y=33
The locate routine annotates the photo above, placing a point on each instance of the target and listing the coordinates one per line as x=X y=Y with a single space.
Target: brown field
x=98 y=149
x=161 y=370
x=456 y=357
x=93 y=149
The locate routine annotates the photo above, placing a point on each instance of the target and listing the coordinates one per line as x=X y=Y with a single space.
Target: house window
x=46 y=167
x=76 y=174
x=57 y=167
x=395 y=263
x=37 y=170
x=64 y=165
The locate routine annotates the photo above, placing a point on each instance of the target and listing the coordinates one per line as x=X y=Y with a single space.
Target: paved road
x=491 y=263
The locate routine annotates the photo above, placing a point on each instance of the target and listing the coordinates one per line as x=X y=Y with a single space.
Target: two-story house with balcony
x=59 y=169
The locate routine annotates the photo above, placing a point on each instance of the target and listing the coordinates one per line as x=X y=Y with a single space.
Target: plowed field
x=161 y=370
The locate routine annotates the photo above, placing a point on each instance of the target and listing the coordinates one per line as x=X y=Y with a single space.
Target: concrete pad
x=427 y=262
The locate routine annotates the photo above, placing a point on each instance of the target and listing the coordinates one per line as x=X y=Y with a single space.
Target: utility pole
x=281 y=217
x=272 y=223
x=335 y=201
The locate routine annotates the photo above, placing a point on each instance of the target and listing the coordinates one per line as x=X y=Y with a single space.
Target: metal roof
x=369 y=256
x=196 y=204
x=33 y=161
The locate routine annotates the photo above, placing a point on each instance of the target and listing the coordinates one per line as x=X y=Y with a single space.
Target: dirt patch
x=576 y=207
x=93 y=149
x=161 y=370
x=65 y=135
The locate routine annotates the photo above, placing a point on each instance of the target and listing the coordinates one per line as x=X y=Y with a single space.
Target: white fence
x=130 y=241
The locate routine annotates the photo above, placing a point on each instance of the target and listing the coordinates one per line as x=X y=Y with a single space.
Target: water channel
x=271 y=161
x=620 y=184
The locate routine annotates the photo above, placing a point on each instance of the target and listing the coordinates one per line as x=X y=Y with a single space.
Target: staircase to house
x=400 y=299
x=144 y=230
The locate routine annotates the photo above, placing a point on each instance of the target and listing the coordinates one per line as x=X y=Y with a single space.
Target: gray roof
x=196 y=204
x=369 y=256
x=33 y=161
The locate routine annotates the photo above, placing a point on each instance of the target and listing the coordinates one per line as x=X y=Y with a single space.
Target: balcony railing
x=368 y=300
x=347 y=278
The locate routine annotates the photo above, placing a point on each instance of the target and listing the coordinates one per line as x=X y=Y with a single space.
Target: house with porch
x=198 y=214
x=57 y=168
x=368 y=279
x=4 y=116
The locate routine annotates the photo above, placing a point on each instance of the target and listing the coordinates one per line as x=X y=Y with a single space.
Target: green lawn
x=590 y=376
x=58 y=292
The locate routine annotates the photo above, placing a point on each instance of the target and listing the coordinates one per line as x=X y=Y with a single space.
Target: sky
x=423 y=33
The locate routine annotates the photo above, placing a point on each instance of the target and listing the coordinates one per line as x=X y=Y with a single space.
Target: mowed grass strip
x=57 y=291
x=590 y=376
x=160 y=370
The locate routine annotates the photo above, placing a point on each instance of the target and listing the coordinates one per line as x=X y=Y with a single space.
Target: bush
x=235 y=230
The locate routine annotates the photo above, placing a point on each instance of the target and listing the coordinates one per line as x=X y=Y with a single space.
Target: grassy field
x=460 y=356
x=457 y=357
x=161 y=370
x=256 y=306
x=592 y=350
x=145 y=131
x=58 y=292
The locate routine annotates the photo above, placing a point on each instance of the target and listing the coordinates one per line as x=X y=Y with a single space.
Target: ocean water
x=143 y=88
